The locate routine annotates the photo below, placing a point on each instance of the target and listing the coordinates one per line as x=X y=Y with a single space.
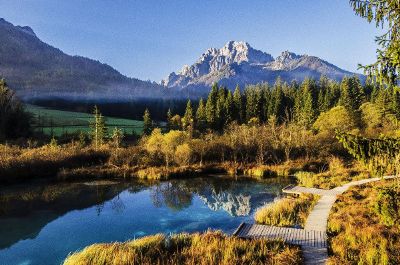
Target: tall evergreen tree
x=229 y=108
x=277 y=108
x=306 y=103
x=188 y=120
x=201 y=116
x=352 y=94
x=385 y=14
x=238 y=105
x=147 y=123
x=220 y=110
x=384 y=101
x=323 y=97
x=211 y=107
x=99 y=129
x=266 y=94
x=250 y=106
x=396 y=102
x=169 y=120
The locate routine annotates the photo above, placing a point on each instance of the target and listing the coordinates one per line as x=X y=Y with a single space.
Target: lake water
x=41 y=223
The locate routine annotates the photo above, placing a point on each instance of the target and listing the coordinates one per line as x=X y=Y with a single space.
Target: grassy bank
x=77 y=160
x=335 y=173
x=207 y=248
x=19 y=164
x=288 y=211
x=149 y=173
x=364 y=225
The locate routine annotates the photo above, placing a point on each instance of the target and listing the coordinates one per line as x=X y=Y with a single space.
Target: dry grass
x=336 y=175
x=18 y=164
x=163 y=173
x=289 y=211
x=357 y=233
x=207 y=248
x=276 y=170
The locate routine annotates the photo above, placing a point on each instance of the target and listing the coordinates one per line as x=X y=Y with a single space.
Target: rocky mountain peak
x=237 y=63
x=216 y=60
x=285 y=61
x=240 y=51
x=286 y=56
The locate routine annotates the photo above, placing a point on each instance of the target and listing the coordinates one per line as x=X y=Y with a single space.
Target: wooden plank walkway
x=318 y=217
x=290 y=235
x=312 y=238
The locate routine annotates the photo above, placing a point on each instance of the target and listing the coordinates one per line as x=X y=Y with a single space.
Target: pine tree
x=237 y=105
x=229 y=108
x=211 y=107
x=147 y=123
x=323 y=99
x=277 y=107
x=374 y=93
x=187 y=120
x=267 y=102
x=169 y=119
x=201 y=117
x=352 y=94
x=259 y=104
x=384 y=101
x=220 y=110
x=306 y=103
x=308 y=111
x=99 y=129
x=385 y=14
x=322 y=107
x=250 y=103
x=396 y=102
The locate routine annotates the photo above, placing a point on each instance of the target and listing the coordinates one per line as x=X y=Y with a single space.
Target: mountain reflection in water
x=104 y=211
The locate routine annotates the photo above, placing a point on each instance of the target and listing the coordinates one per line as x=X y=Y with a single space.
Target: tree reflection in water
x=172 y=194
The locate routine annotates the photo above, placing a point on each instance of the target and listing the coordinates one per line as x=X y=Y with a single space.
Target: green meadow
x=59 y=122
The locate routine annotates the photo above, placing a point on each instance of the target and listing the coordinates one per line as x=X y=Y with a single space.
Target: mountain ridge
x=237 y=63
x=34 y=68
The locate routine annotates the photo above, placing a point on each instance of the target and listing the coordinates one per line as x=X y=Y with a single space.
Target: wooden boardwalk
x=294 y=236
x=312 y=238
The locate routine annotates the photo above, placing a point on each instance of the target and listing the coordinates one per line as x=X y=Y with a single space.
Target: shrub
x=183 y=154
x=261 y=172
x=387 y=205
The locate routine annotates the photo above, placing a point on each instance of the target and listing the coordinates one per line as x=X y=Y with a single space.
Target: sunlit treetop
x=385 y=14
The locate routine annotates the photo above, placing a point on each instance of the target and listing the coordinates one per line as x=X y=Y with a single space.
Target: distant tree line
x=301 y=103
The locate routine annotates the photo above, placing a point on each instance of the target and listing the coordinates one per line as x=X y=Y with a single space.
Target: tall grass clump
x=289 y=211
x=207 y=248
x=337 y=174
x=18 y=164
x=361 y=228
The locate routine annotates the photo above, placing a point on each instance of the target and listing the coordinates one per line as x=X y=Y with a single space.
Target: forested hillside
x=35 y=69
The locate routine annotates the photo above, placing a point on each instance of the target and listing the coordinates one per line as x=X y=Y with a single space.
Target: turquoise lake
x=41 y=223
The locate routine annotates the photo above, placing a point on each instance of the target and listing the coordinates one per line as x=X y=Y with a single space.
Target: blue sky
x=148 y=39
